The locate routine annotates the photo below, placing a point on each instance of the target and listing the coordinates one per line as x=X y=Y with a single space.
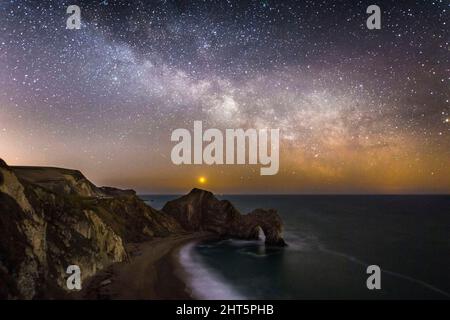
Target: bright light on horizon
x=202 y=180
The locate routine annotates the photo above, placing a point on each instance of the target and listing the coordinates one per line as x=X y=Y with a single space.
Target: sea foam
x=202 y=281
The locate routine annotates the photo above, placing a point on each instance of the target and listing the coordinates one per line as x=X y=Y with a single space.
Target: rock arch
x=201 y=210
x=268 y=220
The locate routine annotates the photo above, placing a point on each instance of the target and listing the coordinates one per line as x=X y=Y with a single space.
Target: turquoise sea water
x=332 y=240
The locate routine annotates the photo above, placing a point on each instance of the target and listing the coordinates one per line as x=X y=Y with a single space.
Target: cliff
x=51 y=218
x=200 y=210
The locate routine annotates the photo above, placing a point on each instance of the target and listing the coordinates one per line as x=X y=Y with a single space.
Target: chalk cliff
x=51 y=218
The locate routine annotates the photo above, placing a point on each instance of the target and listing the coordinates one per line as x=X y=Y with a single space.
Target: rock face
x=51 y=218
x=200 y=210
x=58 y=180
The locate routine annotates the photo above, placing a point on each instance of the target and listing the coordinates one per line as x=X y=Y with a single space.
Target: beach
x=152 y=272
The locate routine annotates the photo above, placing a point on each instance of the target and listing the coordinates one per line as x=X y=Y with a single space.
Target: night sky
x=360 y=111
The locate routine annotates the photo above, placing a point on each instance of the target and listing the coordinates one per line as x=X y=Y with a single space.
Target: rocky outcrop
x=59 y=181
x=51 y=218
x=200 y=210
x=114 y=192
x=268 y=220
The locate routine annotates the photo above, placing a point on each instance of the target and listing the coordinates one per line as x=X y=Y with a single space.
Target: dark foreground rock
x=200 y=210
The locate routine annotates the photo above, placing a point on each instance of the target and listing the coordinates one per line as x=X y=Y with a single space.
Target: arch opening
x=261 y=234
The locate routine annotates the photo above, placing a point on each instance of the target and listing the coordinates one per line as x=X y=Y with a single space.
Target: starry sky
x=360 y=111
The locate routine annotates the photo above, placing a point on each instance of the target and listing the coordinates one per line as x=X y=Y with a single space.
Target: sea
x=332 y=239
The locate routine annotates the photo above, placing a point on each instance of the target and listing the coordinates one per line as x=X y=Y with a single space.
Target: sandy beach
x=153 y=272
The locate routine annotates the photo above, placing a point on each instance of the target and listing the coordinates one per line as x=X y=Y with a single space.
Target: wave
x=204 y=282
x=296 y=242
x=391 y=273
x=309 y=241
x=261 y=252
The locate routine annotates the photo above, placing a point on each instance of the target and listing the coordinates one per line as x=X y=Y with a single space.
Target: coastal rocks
x=114 y=192
x=58 y=180
x=133 y=220
x=109 y=242
x=11 y=186
x=51 y=218
x=22 y=245
x=200 y=210
x=268 y=220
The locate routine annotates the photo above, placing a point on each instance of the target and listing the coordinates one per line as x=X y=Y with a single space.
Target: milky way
x=359 y=110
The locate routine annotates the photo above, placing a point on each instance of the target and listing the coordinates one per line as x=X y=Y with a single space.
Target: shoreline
x=153 y=272
x=173 y=279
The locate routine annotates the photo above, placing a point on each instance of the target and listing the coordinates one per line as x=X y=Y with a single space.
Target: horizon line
x=300 y=194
